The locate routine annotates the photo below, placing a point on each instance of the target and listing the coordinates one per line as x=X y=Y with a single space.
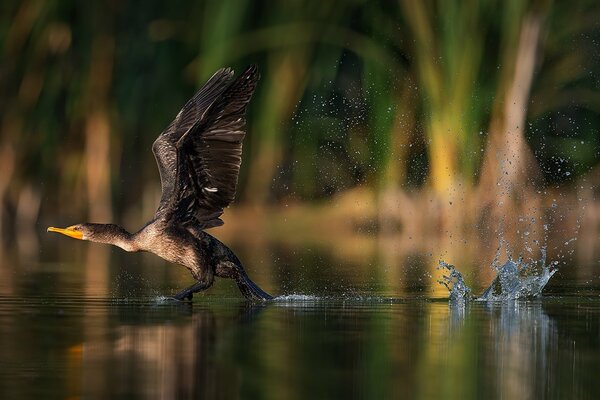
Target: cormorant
x=198 y=157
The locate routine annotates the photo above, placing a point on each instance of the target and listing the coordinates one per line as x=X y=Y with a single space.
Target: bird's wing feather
x=208 y=156
x=164 y=147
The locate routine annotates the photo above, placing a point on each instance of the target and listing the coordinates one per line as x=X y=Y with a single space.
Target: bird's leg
x=204 y=277
x=188 y=293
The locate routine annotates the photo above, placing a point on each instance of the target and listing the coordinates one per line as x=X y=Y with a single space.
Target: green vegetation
x=437 y=95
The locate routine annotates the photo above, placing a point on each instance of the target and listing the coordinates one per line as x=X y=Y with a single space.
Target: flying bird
x=198 y=157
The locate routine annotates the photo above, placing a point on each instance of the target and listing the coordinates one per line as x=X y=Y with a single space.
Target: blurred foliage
x=382 y=93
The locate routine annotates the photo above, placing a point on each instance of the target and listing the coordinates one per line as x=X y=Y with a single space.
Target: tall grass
x=86 y=89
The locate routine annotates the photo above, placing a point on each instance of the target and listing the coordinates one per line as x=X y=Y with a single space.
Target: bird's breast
x=176 y=246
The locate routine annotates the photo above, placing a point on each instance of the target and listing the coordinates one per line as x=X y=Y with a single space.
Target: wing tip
x=251 y=71
x=225 y=72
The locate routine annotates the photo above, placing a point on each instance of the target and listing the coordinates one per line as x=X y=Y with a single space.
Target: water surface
x=88 y=323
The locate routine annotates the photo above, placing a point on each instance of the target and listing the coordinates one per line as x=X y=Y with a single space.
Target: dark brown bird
x=198 y=157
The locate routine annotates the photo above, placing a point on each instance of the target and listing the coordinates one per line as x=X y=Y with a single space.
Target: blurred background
x=442 y=128
x=384 y=136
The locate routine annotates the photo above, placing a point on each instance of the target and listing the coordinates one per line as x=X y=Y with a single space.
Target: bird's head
x=79 y=231
x=99 y=233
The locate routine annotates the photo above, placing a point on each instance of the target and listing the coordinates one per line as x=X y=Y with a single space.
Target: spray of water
x=459 y=291
x=514 y=280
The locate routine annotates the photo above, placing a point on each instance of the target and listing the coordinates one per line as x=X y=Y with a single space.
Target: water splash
x=515 y=280
x=296 y=298
x=454 y=282
x=161 y=299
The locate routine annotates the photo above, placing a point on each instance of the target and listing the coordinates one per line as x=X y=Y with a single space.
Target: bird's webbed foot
x=188 y=293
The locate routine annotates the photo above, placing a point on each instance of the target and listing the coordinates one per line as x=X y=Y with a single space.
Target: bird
x=199 y=158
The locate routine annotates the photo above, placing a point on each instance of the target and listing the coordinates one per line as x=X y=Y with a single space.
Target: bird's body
x=198 y=157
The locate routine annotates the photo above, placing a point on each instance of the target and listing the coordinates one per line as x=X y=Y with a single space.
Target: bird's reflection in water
x=165 y=356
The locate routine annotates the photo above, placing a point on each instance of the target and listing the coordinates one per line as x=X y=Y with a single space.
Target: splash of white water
x=515 y=280
x=454 y=282
x=296 y=298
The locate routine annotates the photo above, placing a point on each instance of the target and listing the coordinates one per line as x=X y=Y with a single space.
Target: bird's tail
x=250 y=290
x=233 y=269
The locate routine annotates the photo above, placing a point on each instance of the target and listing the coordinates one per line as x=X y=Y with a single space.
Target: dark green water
x=89 y=324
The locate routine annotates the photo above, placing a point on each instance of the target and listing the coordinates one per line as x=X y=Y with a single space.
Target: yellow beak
x=67 y=231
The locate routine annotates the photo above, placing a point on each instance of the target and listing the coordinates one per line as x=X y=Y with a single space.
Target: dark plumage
x=198 y=157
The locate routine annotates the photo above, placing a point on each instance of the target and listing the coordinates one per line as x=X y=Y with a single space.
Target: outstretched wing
x=164 y=147
x=208 y=156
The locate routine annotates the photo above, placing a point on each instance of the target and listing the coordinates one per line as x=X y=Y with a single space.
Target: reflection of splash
x=515 y=279
x=522 y=334
x=519 y=338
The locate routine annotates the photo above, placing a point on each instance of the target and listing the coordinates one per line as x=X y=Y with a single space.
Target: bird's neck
x=115 y=235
